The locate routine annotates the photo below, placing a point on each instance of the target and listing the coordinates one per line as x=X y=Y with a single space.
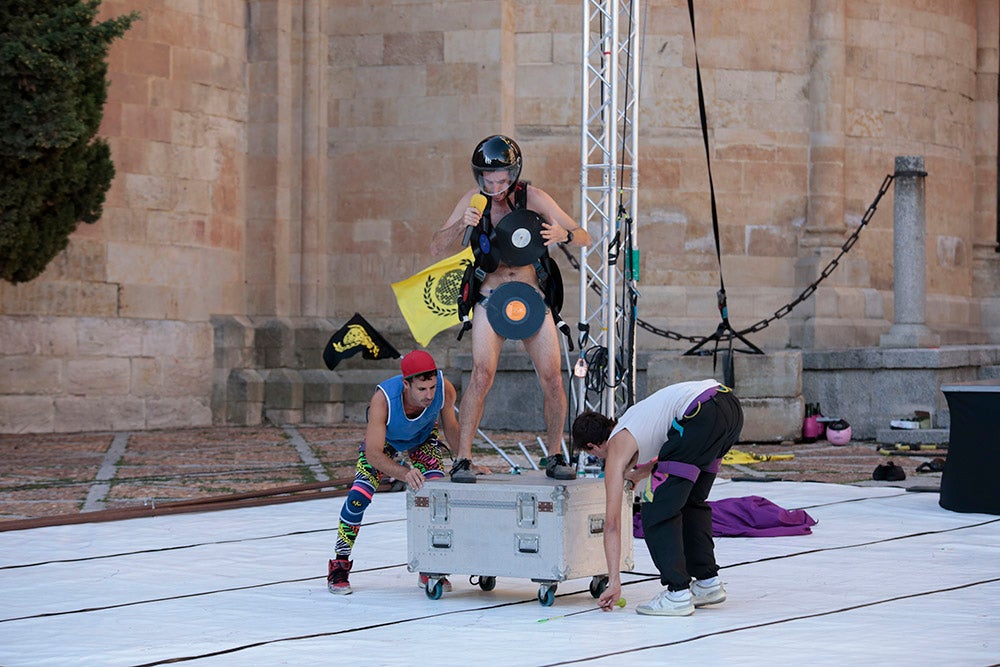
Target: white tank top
x=649 y=420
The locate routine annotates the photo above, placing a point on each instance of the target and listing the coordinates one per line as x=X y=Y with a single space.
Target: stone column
x=986 y=259
x=313 y=264
x=823 y=231
x=827 y=35
x=909 y=257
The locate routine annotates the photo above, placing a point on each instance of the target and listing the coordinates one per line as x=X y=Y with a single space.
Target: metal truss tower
x=609 y=175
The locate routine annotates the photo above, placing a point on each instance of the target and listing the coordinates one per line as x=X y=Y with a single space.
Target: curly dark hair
x=591 y=427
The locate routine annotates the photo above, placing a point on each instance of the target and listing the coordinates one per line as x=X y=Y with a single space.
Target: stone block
x=98 y=377
x=187 y=340
x=233 y=341
x=774 y=374
x=104 y=413
x=185 y=377
x=514 y=402
x=178 y=412
x=30 y=375
x=243 y=413
x=357 y=386
x=311 y=337
x=282 y=390
x=218 y=396
x=356 y=413
x=413 y=48
x=919 y=436
x=275 y=344
x=279 y=417
x=109 y=337
x=472 y=46
x=245 y=385
x=27 y=414
x=145 y=377
x=55 y=336
x=323 y=413
x=771 y=419
x=321 y=386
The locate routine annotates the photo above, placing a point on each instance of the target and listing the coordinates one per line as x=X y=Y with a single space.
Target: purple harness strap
x=688 y=471
x=692 y=408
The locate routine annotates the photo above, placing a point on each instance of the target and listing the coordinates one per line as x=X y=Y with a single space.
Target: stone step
x=919 y=436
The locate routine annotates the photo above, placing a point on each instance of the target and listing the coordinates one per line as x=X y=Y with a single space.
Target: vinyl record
x=485 y=251
x=517 y=238
x=515 y=310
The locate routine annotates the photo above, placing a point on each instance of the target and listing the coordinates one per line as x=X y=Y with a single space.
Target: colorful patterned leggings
x=426 y=458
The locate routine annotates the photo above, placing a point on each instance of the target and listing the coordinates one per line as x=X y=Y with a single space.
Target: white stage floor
x=887 y=578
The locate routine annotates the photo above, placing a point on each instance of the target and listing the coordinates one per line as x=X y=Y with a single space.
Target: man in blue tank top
x=672 y=442
x=403 y=417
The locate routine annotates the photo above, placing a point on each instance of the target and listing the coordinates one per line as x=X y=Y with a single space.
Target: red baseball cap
x=417 y=363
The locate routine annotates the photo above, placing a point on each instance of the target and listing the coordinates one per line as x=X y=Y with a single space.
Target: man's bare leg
x=543 y=348
x=486 y=347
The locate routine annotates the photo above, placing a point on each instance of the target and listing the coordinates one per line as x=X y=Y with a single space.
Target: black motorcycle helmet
x=496 y=153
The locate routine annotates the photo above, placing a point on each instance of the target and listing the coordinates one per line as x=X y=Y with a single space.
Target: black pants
x=678 y=521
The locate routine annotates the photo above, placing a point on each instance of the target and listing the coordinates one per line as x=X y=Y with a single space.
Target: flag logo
x=441 y=292
x=429 y=299
x=357 y=336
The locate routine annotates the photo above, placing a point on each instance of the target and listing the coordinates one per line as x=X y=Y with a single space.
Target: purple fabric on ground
x=753 y=516
x=749 y=516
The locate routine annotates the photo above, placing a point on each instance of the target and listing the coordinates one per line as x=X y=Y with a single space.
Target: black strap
x=708 y=158
x=724 y=327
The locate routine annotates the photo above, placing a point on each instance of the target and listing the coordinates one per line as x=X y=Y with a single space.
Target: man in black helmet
x=496 y=165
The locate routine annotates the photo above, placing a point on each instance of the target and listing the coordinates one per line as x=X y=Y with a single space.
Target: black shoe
x=889 y=472
x=461 y=472
x=556 y=468
x=937 y=465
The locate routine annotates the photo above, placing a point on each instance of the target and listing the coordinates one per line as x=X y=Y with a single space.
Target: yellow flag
x=429 y=299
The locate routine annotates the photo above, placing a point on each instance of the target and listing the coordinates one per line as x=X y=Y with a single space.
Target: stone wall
x=288 y=160
x=100 y=374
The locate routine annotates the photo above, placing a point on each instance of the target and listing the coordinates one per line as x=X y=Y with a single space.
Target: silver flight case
x=525 y=526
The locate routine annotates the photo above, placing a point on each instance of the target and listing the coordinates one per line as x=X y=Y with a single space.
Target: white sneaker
x=668 y=603
x=707 y=591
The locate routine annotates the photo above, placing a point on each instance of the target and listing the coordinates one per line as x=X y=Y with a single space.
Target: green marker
x=620 y=603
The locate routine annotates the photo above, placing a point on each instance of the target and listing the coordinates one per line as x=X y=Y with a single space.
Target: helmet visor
x=495 y=182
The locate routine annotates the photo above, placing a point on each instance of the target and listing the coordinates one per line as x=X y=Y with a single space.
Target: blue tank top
x=401 y=432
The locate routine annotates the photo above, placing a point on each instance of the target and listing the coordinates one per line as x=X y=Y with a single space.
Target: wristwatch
x=569 y=238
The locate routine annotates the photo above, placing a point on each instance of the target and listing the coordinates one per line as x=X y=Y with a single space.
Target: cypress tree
x=54 y=171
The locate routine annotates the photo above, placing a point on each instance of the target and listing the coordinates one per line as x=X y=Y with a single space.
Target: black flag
x=357 y=336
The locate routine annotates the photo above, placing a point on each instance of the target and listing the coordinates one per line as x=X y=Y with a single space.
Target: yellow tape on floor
x=736 y=457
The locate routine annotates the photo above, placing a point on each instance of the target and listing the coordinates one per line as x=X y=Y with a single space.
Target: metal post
x=608 y=182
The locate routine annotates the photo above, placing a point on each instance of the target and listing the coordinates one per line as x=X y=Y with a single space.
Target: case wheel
x=434 y=589
x=597 y=586
x=546 y=595
x=487 y=583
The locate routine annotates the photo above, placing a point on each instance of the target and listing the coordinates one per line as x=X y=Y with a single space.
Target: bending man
x=674 y=440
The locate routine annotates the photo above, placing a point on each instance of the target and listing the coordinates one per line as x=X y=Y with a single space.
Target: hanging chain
x=787 y=308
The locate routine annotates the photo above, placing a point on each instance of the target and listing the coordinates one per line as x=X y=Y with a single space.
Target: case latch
x=527 y=510
x=439 y=506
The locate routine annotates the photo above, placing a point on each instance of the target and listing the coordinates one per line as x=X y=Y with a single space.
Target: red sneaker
x=336 y=576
